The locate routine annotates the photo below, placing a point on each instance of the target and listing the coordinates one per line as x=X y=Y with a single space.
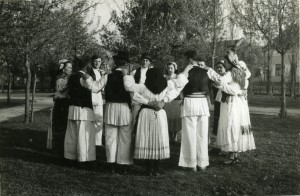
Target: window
x=278 y=70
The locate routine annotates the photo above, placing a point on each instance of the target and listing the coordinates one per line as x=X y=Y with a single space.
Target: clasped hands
x=156 y=105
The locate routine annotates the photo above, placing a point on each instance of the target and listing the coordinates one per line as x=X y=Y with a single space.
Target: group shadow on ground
x=30 y=145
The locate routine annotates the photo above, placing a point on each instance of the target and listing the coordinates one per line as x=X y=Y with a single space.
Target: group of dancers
x=135 y=121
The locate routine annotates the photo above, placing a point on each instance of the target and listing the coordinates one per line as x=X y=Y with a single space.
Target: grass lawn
x=27 y=168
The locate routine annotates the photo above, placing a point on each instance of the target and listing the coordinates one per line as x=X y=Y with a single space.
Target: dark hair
x=191 y=54
x=155 y=81
x=81 y=62
x=95 y=57
x=120 y=63
x=198 y=58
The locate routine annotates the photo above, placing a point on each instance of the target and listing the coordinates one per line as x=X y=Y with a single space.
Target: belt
x=197 y=95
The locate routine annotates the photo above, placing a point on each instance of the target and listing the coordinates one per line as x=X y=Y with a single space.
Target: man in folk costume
x=80 y=134
x=140 y=73
x=117 y=116
x=97 y=101
x=195 y=115
x=140 y=77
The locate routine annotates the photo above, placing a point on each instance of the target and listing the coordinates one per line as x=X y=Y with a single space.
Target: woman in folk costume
x=80 y=134
x=97 y=101
x=234 y=131
x=61 y=107
x=173 y=109
x=117 y=116
x=152 y=139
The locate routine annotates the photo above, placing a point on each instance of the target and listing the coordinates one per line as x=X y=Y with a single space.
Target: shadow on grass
x=271 y=169
x=13 y=103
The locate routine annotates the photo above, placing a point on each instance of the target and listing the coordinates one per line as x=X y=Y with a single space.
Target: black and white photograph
x=149 y=97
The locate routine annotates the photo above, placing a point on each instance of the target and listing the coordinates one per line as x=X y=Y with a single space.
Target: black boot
x=156 y=168
x=124 y=169
x=148 y=164
x=112 y=168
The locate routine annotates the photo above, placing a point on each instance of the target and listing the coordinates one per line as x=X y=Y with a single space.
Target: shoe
x=231 y=161
x=112 y=169
x=201 y=168
x=193 y=169
x=215 y=151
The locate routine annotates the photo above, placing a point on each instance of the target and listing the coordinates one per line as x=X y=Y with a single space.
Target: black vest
x=198 y=82
x=79 y=96
x=115 y=90
x=137 y=75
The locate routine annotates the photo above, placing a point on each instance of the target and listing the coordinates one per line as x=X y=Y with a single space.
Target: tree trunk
x=269 y=92
x=283 y=112
x=293 y=73
x=214 y=42
x=27 y=90
x=32 y=97
x=8 y=100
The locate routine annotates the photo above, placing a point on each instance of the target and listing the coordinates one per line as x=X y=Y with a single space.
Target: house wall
x=275 y=68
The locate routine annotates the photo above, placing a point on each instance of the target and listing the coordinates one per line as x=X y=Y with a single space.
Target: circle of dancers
x=146 y=110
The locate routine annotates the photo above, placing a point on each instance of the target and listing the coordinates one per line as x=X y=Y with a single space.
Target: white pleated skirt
x=152 y=138
x=117 y=114
x=234 y=131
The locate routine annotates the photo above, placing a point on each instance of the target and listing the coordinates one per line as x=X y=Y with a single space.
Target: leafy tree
x=278 y=23
x=30 y=26
x=165 y=28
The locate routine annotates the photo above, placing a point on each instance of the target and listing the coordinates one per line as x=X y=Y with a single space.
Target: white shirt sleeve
x=174 y=88
x=223 y=82
x=94 y=86
x=131 y=86
x=139 y=99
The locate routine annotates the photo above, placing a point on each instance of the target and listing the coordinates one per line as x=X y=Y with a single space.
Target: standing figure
x=97 y=99
x=152 y=139
x=117 y=117
x=140 y=77
x=173 y=108
x=234 y=131
x=220 y=69
x=80 y=134
x=61 y=107
x=195 y=115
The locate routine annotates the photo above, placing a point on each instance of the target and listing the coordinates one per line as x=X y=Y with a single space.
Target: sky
x=104 y=9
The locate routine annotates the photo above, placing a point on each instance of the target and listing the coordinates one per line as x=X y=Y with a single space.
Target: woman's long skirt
x=234 y=131
x=152 y=138
x=59 y=123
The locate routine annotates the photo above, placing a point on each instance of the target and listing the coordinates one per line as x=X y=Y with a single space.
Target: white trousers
x=80 y=141
x=98 y=114
x=194 y=142
x=118 y=144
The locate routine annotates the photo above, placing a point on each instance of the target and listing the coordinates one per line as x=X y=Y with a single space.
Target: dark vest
x=137 y=75
x=198 y=82
x=79 y=96
x=92 y=73
x=115 y=90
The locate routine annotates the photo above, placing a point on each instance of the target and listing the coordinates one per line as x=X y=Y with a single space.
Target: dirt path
x=47 y=102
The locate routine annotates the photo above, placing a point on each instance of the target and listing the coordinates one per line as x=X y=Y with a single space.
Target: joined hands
x=156 y=105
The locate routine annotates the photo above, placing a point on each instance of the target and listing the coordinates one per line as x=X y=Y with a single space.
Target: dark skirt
x=59 y=122
x=60 y=116
x=174 y=120
x=216 y=117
